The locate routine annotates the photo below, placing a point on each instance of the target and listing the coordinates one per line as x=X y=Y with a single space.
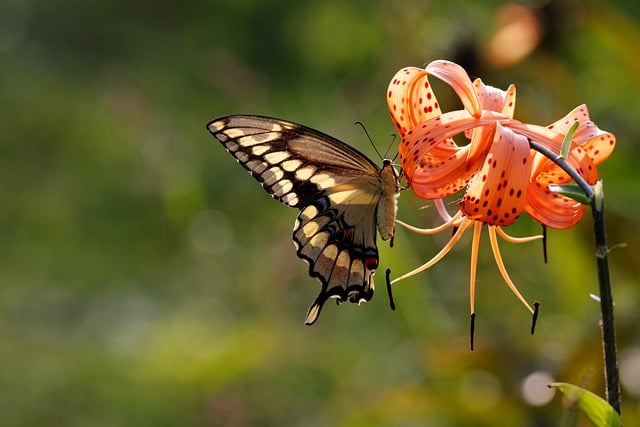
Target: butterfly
x=341 y=194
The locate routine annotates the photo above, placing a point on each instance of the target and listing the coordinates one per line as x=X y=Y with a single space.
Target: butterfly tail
x=314 y=310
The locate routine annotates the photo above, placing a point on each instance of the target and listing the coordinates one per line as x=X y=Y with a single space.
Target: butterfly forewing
x=338 y=190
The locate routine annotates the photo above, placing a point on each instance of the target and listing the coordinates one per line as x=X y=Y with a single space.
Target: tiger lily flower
x=499 y=173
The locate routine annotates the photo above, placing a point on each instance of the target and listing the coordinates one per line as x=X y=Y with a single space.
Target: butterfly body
x=343 y=198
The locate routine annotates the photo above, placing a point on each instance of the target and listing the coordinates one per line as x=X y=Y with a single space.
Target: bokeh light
x=535 y=390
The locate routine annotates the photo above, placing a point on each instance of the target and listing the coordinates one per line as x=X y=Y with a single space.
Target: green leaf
x=572 y=191
x=566 y=143
x=593 y=406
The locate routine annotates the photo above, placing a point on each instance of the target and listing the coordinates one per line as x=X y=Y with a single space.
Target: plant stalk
x=596 y=196
x=611 y=375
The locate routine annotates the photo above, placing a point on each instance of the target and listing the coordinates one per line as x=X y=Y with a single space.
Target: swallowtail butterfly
x=341 y=194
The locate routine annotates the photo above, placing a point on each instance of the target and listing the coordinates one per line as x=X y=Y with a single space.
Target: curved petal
x=552 y=139
x=496 y=194
x=481 y=138
x=439 y=130
x=600 y=147
x=491 y=99
x=552 y=209
x=438 y=176
x=433 y=165
x=456 y=77
x=495 y=99
x=579 y=158
x=597 y=143
x=548 y=172
x=410 y=99
x=547 y=207
x=579 y=114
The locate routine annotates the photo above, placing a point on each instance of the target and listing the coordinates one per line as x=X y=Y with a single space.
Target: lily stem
x=606 y=300
x=596 y=196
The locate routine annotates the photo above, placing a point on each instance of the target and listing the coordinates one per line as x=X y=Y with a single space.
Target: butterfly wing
x=336 y=188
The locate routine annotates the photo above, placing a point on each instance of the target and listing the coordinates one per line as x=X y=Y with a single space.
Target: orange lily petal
x=544 y=169
x=481 y=137
x=496 y=194
x=456 y=77
x=597 y=143
x=545 y=206
x=550 y=173
x=552 y=209
x=495 y=99
x=590 y=145
x=410 y=99
x=579 y=114
x=491 y=99
x=438 y=176
x=436 y=168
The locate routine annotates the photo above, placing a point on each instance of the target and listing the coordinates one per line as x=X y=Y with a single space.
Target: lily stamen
x=452 y=222
x=464 y=224
x=503 y=271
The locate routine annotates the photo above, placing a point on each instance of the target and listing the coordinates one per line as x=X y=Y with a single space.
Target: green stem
x=606 y=300
x=596 y=196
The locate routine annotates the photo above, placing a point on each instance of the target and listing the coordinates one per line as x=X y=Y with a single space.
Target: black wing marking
x=294 y=164
x=342 y=256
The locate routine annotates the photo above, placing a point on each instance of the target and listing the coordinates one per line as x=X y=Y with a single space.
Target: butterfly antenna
x=393 y=139
x=359 y=123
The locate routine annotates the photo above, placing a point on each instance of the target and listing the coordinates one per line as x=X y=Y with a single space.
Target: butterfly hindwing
x=343 y=256
x=337 y=189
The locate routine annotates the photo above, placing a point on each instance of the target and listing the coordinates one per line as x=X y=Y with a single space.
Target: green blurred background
x=147 y=280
